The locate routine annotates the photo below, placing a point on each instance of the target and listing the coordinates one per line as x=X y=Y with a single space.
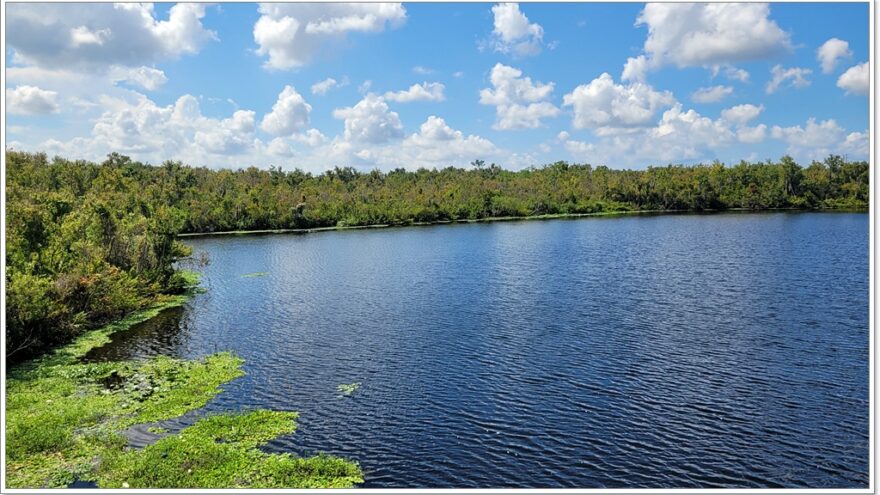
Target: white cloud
x=290 y=34
x=438 y=144
x=856 y=80
x=280 y=147
x=322 y=87
x=710 y=34
x=148 y=78
x=231 y=136
x=458 y=74
x=678 y=135
x=751 y=135
x=513 y=33
x=742 y=114
x=370 y=121
x=146 y=131
x=285 y=146
x=83 y=36
x=831 y=52
x=31 y=100
x=739 y=116
x=311 y=137
x=519 y=103
x=635 y=69
x=711 y=94
x=736 y=74
x=797 y=75
x=816 y=141
x=608 y=107
x=418 y=92
x=425 y=71
x=98 y=36
x=289 y=114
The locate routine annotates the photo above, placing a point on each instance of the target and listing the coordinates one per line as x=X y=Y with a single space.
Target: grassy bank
x=65 y=421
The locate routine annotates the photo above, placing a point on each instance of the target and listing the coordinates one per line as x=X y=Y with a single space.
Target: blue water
x=726 y=350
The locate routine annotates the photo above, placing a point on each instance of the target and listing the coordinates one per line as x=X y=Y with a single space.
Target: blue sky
x=231 y=85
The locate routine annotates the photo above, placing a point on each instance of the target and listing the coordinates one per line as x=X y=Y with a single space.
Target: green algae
x=221 y=452
x=65 y=421
x=254 y=274
x=347 y=389
x=61 y=420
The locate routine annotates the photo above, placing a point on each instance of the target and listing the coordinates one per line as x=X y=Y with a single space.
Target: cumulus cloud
x=751 y=135
x=519 y=103
x=513 y=33
x=739 y=116
x=290 y=34
x=736 y=74
x=815 y=141
x=711 y=94
x=322 y=87
x=856 y=80
x=635 y=69
x=148 y=78
x=370 y=121
x=418 y=92
x=436 y=143
x=289 y=114
x=678 y=135
x=99 y=36
x=140 y=128
x=311 y=137
x=797 y=76
x=231 y=136
x=31 y=100
x=742 y=114
x=607 y=107
x=709 y=34
x=831 y=52
x=425 y=71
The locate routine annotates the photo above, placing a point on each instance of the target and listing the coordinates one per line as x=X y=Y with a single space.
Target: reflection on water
x=167 y=333
x=669 y=351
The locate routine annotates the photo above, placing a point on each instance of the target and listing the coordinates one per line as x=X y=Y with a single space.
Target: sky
x=386 y=85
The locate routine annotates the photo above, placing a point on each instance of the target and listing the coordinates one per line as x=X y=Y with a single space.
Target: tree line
x=89 y=242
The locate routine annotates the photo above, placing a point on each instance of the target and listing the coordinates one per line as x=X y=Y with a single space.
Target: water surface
x=645 y=351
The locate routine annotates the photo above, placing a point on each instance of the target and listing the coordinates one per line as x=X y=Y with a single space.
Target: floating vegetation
x=65 y=422
x=221 y=452
x=157 y=430
x=348 y=389
x=254 y=274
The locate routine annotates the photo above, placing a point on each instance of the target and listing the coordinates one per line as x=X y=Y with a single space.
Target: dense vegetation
x=87 y=243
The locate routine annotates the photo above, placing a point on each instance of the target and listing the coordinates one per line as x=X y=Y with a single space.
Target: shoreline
x=553 y=216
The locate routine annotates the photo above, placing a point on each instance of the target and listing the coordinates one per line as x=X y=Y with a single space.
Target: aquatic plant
x=255 y=274
x=347 y=389
x=65 y=421
x=221 y=452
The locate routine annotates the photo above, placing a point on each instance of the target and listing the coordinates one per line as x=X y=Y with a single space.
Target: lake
x=722 y=350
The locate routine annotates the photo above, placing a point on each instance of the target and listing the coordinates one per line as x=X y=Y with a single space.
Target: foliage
x=87 y=243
